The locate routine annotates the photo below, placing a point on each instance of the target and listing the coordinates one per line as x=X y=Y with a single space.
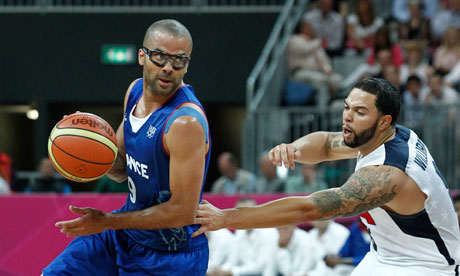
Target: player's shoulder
x=130 y=88
x=132 y=84
x=187 y=119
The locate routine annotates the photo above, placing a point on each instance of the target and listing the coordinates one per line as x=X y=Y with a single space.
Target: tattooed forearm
x=335 y=140
x=366 y=189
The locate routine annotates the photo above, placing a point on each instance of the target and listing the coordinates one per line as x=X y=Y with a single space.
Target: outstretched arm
x=312 y=148
x=366 y=189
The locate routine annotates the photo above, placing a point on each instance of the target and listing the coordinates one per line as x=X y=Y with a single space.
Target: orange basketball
x=82 y=147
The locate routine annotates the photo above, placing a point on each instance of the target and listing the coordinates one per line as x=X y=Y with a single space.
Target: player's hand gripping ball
x=82 y=147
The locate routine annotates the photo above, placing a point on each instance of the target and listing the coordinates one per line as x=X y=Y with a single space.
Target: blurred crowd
x=414 y=44
x=320 y=248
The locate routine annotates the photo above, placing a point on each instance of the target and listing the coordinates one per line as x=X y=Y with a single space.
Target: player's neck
x=378 y=139
x=151 y=101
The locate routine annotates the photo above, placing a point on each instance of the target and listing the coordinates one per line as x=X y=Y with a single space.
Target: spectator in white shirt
x=330 y=237
x=362 y=25
x=4 y=186
x=307 y=59
x=450 y=16
x=220 y=246
x=295 y=254
x=438 y=92
x=415 y=64
x=447 y=54
x=252 y=251
x=328 y=24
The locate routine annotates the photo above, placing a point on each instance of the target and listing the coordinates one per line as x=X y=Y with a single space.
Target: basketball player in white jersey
x=396 y=189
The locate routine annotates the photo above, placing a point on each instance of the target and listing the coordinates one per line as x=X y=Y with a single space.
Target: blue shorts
x=115 y=253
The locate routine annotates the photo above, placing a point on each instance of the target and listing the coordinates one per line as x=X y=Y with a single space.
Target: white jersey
x=427 y=239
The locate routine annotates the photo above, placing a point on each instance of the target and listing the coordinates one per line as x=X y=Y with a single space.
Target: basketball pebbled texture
x=82 y=147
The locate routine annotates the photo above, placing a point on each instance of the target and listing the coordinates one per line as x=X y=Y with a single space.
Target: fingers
x=78 y=210
x=68 y=223
x=274 y=156
x=290 y=157
x=200 y=231
x=284 y=154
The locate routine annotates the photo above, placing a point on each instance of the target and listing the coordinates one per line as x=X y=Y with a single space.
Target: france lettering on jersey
x=147 y=165
x=429 y=238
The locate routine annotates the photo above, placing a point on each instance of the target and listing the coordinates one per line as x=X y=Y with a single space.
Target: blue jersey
x=148 y=170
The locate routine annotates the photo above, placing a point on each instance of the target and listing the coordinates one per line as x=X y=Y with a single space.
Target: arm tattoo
x=366 y=189
x=335 y=140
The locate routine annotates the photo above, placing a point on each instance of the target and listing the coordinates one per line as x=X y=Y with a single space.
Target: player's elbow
x=117 y=176
x=308 y=210
x=183 y=216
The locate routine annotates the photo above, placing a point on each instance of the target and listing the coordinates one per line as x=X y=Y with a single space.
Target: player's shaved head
x=169 y=26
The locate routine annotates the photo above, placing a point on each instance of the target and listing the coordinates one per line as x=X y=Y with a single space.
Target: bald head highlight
x=170 y=26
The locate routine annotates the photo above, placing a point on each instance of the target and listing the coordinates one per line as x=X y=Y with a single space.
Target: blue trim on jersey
x=188 y=111
x=397 y=149
x=419 y=225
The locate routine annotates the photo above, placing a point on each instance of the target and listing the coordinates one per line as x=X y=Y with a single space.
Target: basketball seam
x=71 y=116
x=93 y=132
x=92 y=162
x=65 y=172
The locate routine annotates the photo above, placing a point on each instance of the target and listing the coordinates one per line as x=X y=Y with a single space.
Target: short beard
x=363 y=137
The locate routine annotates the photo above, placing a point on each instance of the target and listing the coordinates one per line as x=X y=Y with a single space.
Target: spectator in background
x=453 y=77
x=382 y=40
x=384 y=59
x=353 y=251
x=402 y=9
x=4 y=186
x=391 y=74
x=6 y=168
x=47 y=182
x=362 y=25
x=107 y=185
x=329 y=237
x=307 y=182
x=308 y=62
x=447 y=54
x=413 y=103
x=234 y=180
x=252 y=250
x=416 y=27
x=221 y=243
x=295 y=253
x=268 y=181
x=328 y=25
x=415 y=63
x=439 y=93
x=449 y=16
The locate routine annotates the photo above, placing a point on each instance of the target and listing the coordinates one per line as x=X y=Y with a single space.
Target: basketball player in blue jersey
x=164 y=150
x=396 y=188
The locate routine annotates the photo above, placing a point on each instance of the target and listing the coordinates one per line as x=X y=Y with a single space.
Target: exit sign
x=118 y=54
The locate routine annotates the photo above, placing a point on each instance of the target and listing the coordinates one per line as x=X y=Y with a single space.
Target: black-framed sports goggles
x=160 y=58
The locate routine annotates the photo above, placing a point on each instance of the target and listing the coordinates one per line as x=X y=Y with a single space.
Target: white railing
x=141 y=6
x=264 y=84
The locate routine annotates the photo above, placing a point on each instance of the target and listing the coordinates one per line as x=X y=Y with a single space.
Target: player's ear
x=385 y=121
x=141 y=57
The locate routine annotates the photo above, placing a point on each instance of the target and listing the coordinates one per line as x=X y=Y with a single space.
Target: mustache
x=347 y=126
x=165 y=76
